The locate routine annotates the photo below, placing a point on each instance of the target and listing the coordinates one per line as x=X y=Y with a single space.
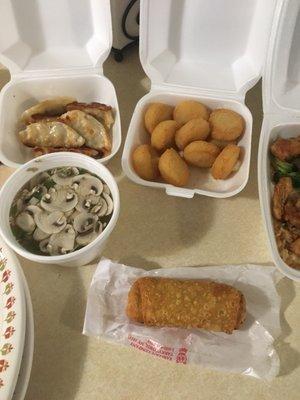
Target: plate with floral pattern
x=12 y=320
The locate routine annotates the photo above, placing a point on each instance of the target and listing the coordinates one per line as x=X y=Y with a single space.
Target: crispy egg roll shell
x=134 y=309
x=187 y=304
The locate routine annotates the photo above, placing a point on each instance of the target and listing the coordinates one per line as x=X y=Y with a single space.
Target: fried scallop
x=226 y=162
x=173 y=168
x=190 y=109
x=156 y=113
x=195 y=129
x=163 y=135
x=222 y=143
x=201 y=154
x=226 y=124
x=145 y=162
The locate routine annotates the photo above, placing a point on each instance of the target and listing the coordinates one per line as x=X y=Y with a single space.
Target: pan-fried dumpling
x=101 y=112
x=50 y=134
x=50 y=107
x=38 y=151
x=93 y=131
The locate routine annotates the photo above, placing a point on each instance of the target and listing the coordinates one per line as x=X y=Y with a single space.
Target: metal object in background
x=125 y=22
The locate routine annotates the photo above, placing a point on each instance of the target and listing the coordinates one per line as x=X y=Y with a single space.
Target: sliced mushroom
x=84 y=222
x=106 y=188
x=25 y=221
x=59 y=200
x=101 y=208
x=86 y=203
x=65 y=176
x=33 y=210
x=73 y=215
x=43 y=245
x=69 y=213
x=110 y=204
x=39 y=235
x=87 y=185
x=38 y=179
x=85 y=238
x=50 y=223
x=62 y=242
x=36 y=192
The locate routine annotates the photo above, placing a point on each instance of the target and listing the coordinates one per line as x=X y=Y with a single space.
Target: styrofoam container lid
x=222 y=50
x=47 y=35
x=281 y=90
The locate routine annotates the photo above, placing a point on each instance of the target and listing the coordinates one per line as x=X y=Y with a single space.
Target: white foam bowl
x=29 y=170
x=269 y=133
x=20 y=94
x=201 y=181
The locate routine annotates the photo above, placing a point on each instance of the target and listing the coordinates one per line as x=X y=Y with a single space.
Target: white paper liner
x=248 y=351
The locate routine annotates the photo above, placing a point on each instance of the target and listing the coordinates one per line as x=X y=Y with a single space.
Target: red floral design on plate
x=10 y=302
x=6 y=275
x=9 y=332
x=3 y=365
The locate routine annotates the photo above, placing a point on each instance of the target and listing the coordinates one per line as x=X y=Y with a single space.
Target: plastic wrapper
x=248 y=351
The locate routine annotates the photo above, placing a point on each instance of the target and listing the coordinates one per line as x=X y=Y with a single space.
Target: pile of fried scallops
x=188 y=134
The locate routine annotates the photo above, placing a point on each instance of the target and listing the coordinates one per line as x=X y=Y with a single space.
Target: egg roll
x=204 y=304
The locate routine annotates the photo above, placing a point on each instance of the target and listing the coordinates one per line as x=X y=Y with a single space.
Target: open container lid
x=281 y=90
x=54 y=35
x=222 y=50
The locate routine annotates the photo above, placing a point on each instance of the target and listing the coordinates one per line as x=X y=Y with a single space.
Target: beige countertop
x=154 y=230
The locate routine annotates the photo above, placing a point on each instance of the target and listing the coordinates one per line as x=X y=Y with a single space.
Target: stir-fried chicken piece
x=292 y=210
x=285 y=149
x=281 y=193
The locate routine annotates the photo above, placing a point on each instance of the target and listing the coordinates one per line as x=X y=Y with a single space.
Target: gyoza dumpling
x=50 y=134
x=101 y=112
x=47 y=108
x=93 y=131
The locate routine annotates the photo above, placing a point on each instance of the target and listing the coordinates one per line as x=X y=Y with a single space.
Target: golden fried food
x=195 y=129
x=145 y=162
x=284 y=149
x=226 y=161
x=282 y=190
x=190 y=109
x=163 y=135
x=201 y=154
x=38 y=151
x=173 y=168
x=156 y=113
x=226 y=124
x=186 y=304
x=222 y=143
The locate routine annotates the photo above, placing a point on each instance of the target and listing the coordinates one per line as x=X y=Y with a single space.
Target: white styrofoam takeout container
x=29 y=170
x=281 y=104
x=210 y=51
x=52 y=48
